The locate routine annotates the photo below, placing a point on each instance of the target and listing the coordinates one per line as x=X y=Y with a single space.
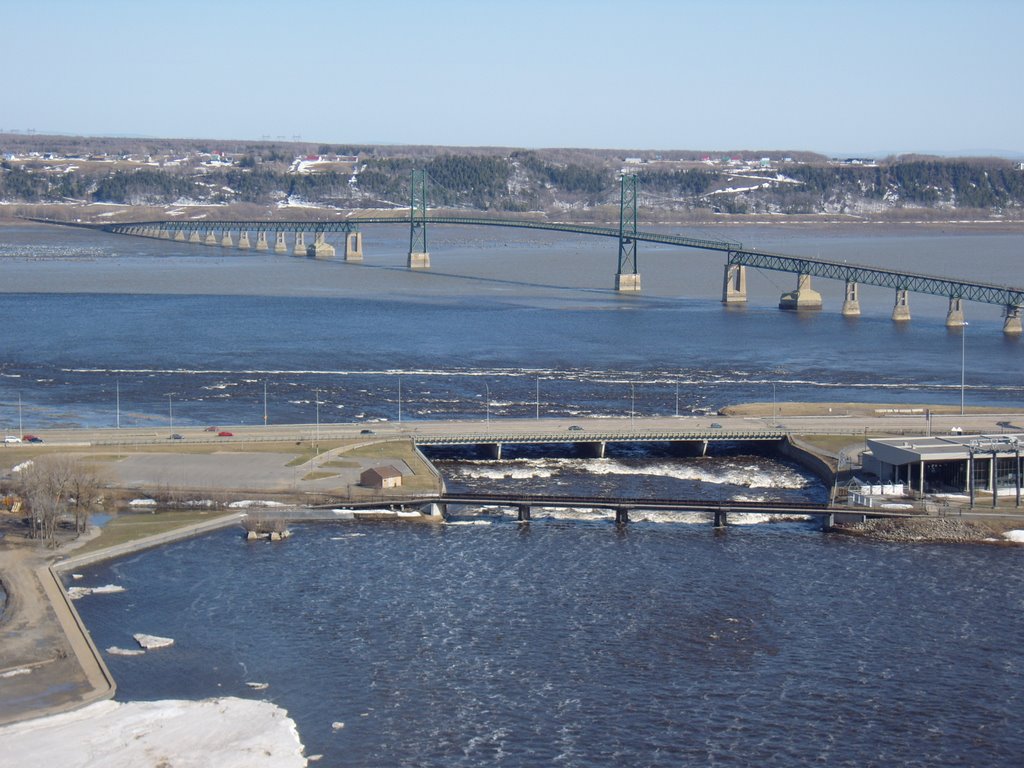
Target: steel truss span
x=736 y=254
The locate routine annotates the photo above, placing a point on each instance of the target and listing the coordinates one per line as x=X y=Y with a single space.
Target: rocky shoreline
x=929 y=530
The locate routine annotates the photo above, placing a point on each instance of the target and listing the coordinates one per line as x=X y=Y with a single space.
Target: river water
x=567 y=641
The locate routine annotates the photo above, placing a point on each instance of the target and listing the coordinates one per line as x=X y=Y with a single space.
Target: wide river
x=568 y=641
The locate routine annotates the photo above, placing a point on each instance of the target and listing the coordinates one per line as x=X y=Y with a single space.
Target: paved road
x=557 y=428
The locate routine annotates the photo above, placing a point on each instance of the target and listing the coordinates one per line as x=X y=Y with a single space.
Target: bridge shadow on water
x=575 y=289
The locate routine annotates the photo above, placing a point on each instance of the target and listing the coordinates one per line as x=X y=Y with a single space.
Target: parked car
x=176 y=436
x=11 y=439
x=225 y=434
x=31 y=439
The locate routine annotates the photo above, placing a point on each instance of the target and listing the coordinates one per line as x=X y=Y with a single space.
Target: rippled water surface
x=574 y=643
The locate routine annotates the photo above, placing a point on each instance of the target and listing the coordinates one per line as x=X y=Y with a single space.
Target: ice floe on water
x=76 y=593
x=150 y=642
x=117 y=651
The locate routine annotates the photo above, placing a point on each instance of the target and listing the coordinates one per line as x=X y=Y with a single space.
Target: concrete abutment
x=803 y=298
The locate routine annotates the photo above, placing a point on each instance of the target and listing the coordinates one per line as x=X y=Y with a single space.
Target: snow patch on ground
x=248 y=503
x=142 y=503
x=1016 y=537
x=225 y=732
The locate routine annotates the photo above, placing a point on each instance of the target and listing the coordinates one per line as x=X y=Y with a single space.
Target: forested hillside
x=37 y=170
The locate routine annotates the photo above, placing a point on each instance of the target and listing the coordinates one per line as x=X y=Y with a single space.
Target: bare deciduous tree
x=55 y=488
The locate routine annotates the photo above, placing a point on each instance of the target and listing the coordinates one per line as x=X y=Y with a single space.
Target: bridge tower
x=419 y=257
x=627 y=278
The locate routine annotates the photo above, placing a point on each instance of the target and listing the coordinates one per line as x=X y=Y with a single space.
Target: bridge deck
x=987 y=293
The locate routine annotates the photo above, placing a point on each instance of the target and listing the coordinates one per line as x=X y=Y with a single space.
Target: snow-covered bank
x=226 y=732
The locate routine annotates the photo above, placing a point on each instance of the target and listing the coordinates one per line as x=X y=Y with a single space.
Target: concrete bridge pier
x=280 y=246
x=955 y=314
x=164 y=234
x=593 y=450
x=354 y=246
x=226 y=240
x=690 y=448
x=721 y=518
x=492 y=450
x=320 y=249
x=434 y=509
x=734 y=286
x=180 y=235
x=627 y=282
x=851 y=304
x=300 y=244
x=194 y=237
x=243 y=240
x=901 y=310
x=621 y=515
x=210 y=239
x=418 y=260
x=1011 y=323
x=803 y=298
x=524 y=513
x=261 y=240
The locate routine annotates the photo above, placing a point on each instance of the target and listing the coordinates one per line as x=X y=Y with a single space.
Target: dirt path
x=47 y=661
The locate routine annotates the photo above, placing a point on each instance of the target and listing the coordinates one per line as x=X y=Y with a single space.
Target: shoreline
x=83 y=661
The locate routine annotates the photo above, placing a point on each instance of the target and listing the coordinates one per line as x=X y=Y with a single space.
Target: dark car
x=575 y=428
x=31 y=439
x=716 y=425
x=367 y=432
x=175 y=436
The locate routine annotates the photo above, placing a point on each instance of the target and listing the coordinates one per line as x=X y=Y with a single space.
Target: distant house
x=381 y=477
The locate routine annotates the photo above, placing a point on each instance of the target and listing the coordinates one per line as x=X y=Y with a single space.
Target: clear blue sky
x=834 y=77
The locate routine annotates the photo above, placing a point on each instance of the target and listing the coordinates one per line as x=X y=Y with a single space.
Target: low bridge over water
x=738 y=258
x=594 y=444
x=720 y=511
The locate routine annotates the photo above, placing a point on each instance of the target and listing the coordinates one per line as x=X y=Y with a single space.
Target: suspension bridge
x=309 y=240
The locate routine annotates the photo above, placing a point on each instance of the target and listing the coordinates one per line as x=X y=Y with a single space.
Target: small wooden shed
x=381 y=477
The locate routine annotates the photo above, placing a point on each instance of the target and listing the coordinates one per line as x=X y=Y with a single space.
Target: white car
x=11 y=439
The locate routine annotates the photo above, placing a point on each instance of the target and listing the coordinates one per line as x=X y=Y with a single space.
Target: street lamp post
x=117 y=401
x=170 y=412
x=399 y=399
x=963 y=363
x=677 y=399
x=488 y=404
x=632 y=403
x=538 y=398
x=318 y=421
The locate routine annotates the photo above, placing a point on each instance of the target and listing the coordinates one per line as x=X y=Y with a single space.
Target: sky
x=850 y=78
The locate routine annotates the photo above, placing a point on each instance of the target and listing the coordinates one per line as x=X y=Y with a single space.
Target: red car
x=210 y=429
x=225 y=434
x=31 y=439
